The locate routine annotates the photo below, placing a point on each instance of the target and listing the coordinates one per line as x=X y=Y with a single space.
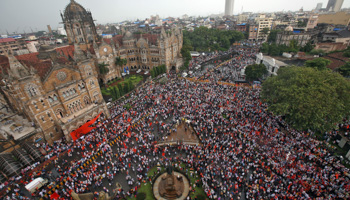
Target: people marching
x=244 y=151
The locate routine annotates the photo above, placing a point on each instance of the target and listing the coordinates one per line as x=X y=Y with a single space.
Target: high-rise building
x=319 y=6
x=229 y=7
x=334 y=5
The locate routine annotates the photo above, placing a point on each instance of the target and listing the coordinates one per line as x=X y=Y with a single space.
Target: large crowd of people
x=244 y=152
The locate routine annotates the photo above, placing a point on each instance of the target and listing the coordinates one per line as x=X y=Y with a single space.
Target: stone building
x=142 y=51
x=57 y=90
x=79 y=25
x=15 y=46
x=301 y=37
x=58 y=94
x=253 y=32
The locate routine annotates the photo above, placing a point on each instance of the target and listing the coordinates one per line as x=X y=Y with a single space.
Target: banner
x=84 y=129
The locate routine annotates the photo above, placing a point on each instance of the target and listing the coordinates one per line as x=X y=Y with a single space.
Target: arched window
x=96 y=98
x=86 y=100
x=50 y=99
x=88 y=70
x=59 y=113
x=64 y=95
x=55 y=97
x=31 y=90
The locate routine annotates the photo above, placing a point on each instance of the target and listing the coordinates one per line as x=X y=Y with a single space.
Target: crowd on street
x=245 y=151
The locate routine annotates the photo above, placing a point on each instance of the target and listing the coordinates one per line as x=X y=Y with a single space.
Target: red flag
x=54 y=196
x=129 y=119
x=129 y=134
x=84 y=129
x=125 y=145
x=163 y=154
x=134 y=150
x=128 y=128
x=150 y=124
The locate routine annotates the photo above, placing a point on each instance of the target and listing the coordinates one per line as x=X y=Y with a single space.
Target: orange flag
x=84 y=129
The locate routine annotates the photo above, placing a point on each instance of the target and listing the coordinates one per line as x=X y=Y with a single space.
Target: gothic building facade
x=57 y=90
x=79 y=25
x=57 y=95
x=142 y=52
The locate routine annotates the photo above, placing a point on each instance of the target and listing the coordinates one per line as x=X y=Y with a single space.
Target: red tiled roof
x=335 y=63
x=67 y=51
x=32 y=57
x=117 y=39
x=7 y=40
x=339 y=55
x=152 y=38
x=29 y=60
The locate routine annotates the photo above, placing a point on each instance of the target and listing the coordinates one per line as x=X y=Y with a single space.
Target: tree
x=265 y=48
x=301 y=23
x=308 y=47
x=153 y=73
x=265 y=32
x=131 y=85
x=308 y=98
x=293 y=45
x=273 y=36
x=254 y=72
x=115 y=92
x=346 y=53
x=345 y=70
x=126 y=87
x=318 y=63
x=120 y=88
x=120 y=62
x=103 y=68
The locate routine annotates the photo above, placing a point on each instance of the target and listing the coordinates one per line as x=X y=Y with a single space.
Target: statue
x=170 y=186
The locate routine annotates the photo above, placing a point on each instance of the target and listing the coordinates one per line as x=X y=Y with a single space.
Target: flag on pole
x=84 y=129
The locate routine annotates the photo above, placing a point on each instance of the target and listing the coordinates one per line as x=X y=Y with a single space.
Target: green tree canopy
x=273 y=35
x=308 y=98
x=318 y=63
x=345 y=70
x=254 y=72
x=346 y=53
x=120 y=62
x=204 y=39
x=103 y=68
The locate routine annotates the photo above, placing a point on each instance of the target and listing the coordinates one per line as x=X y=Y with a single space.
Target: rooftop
x=3 y=40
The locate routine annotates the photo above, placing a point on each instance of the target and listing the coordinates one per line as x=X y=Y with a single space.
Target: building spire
x=17 y=70
x=78 y=53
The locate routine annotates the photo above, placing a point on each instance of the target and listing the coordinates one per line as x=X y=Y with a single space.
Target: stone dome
x=128 y=34
x=289 y=28
x=73 y=10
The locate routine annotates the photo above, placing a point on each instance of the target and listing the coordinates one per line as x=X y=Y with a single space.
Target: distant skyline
x=24 y=15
